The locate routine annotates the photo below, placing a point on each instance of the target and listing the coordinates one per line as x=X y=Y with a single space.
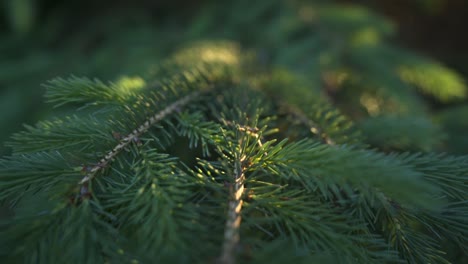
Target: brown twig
x=314 y=128
x=231 y=231
x=135 y=134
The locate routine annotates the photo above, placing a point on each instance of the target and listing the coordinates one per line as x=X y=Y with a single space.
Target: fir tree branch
x=307 y=107
x=231 y=232
x=314 y=128
x=134 y=136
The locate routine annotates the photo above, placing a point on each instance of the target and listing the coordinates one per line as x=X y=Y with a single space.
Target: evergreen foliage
x=306 y=138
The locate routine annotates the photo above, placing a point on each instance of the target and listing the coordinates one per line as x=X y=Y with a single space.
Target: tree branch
x=231 y=232
x=134 y=135
x=314 y=128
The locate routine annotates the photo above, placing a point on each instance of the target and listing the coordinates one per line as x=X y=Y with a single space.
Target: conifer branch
x=248 y=130
x=231 y=232
x=292 y=178
x=314 y=128
x=135 y=134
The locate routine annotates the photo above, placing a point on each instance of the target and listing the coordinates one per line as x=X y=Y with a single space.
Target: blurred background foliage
x=395 y=67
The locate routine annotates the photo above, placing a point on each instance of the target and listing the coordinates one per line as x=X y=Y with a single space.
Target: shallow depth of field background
x=43 y=39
